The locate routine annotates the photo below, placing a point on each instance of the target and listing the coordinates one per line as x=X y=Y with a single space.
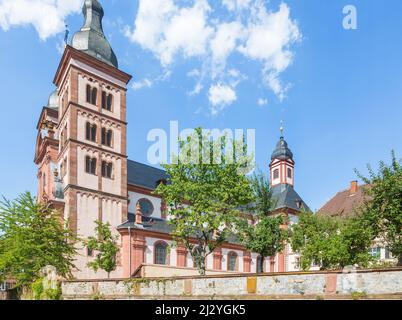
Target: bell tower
x=92 y=155
x=282 y=164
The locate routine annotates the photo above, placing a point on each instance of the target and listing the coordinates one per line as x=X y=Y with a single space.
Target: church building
x=84 y=171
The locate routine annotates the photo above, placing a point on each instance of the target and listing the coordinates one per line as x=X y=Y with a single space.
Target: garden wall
x=360 y=284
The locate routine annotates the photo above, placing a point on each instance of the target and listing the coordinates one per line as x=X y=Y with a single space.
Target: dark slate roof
x=91 y=39
x=282 y=151
x=149 y=223
x=142 y=175
x=156 y=225
x=285 y=196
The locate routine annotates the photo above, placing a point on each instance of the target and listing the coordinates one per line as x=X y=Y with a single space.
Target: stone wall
x=301 y=285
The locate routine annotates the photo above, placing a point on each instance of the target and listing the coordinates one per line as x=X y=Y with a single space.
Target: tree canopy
x=264 y=235
x=205 y=193
x=104 y=245
x=32 y=236
x=382 y=211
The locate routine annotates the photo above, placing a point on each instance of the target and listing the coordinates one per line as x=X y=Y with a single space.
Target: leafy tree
x=32 y=236
x=207 y=186
x=105 y=247
x=264 y=235
x=382 y=211
x=332 y=242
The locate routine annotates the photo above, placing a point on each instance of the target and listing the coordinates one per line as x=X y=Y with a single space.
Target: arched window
x=91 y=132
x=90 y=165
x=232 y=261
x=109 y=102
x=103 y=100
x=161 y=253
x=88 y=93
x=197 y=254
x=94 y=96
x=289 y=173
x=107 y=168
x=260 y=265
x=276 y=173
x=146 y=207
x=107 y=137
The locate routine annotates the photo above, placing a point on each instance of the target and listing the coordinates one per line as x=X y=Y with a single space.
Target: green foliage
x=204 y=193
x=331 y=242
x=383 y=209
x=39 y=292
x=33 y=236
x=105 y=246
x=265 y=235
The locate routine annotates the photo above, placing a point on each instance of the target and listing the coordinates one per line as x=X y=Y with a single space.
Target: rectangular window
x=387 y=253
x=376 y=252
x=276 y=174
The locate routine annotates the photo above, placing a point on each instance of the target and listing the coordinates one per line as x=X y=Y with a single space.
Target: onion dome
x=282 y=151
x=91 y=39
x=53 y=102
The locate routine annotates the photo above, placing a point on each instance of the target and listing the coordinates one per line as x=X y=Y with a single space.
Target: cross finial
x=282 y=129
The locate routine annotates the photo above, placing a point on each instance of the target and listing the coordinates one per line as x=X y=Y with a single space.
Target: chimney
x=138 y=214
x=353 y=188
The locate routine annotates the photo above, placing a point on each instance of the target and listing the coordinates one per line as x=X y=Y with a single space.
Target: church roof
x=282 y=151
x=142 y=175
x=285 y=196
x=345 y=203
x=91 y=39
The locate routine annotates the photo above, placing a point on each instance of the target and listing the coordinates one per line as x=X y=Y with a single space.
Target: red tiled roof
x=344 y=203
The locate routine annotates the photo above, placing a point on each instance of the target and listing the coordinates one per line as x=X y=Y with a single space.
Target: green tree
x=32 y=236
x=382 y=211
x=264 y=235
x=333 y=243
x=104 y=244
x=207 y=185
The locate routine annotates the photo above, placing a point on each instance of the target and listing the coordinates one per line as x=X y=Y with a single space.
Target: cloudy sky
x=237 y=64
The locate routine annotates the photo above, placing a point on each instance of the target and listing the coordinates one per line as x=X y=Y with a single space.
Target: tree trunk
x=262 y=260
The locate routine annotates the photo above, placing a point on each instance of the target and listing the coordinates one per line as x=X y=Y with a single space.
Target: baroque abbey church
x=83 y=169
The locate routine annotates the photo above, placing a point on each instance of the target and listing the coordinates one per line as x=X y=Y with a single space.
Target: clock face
x=293 y=219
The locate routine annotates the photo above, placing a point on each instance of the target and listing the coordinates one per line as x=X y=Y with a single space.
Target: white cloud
x=167 y=30
x=46 y=16
x=145 y=83
x=221 y=96
x=236 y=4
x=223 y=44
x=262 y=102
x=173 y=29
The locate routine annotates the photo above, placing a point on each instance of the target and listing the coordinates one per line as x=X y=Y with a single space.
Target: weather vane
x=282 y=128
x=66 y=35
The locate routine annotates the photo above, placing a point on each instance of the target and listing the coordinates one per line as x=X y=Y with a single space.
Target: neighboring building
x=346 y=204
x=83 y=168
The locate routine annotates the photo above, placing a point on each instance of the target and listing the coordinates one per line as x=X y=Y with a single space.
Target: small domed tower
x=282 y=164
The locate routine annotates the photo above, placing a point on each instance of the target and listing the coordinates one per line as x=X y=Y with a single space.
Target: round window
x=146 y=207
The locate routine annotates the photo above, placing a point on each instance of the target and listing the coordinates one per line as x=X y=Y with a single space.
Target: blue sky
x=342 y=111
